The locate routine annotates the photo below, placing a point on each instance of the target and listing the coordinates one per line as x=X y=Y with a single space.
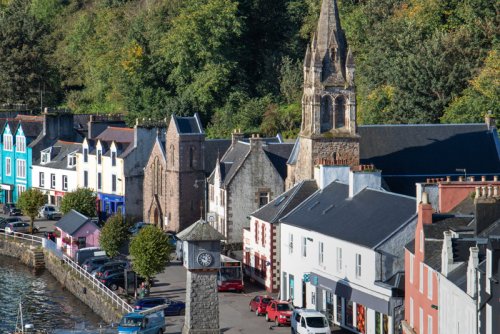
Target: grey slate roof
x=407 y=154
x=59 y=154
x=119 y=135
x=72 y=222
x=366 y=219
x=214 y=148
x=286 y=202
x=200 y=231
x=279 y=154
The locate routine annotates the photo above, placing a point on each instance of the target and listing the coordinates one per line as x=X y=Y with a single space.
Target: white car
x=50 y=212
x=309 y=322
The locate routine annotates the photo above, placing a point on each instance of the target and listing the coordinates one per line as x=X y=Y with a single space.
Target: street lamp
x=204 y=195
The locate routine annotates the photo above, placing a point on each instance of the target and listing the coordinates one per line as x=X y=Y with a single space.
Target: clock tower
x=201 y=246
x=328 y=133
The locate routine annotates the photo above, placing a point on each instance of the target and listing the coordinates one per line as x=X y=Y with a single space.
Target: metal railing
x=75 y=268
x=98 y=285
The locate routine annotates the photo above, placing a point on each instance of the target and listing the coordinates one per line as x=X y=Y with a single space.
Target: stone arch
x=326 y=114
x=340 y=112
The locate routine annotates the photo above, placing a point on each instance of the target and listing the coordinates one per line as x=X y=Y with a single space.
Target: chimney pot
x=428 y=180
x=490 y=193
x=483 y=191
x=495 y=178
x=425 y=198
x=460 y=178
x=478 y=192
x=448 y=179
x=471 y=178
x=483 y=178
x=495 y=191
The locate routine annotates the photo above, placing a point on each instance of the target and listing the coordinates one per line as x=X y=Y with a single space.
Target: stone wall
x=79 y=287
x=35 y=257
x=202 y=303
x=30 y=255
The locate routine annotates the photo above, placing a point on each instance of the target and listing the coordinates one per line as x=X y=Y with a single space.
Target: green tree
x=25 y=72
x=113 y=235
x=150 y=251
x=30 y=202
x=82 y=200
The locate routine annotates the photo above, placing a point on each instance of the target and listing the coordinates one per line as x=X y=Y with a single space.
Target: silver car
x=18 y=227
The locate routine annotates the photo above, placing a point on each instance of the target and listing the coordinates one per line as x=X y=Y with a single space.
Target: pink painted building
x=261 y=258
x=76 y=231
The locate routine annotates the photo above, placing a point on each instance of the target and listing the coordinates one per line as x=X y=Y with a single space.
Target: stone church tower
x=328 y=132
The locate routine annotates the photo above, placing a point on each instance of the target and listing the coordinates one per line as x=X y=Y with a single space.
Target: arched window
x=326 y=114
x=339 y=112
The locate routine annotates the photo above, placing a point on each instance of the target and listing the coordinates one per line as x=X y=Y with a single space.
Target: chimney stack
x=447 y=264
x=236 y=136
x=471 y=271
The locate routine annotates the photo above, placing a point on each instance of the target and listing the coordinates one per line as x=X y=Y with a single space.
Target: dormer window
x=7 y=142
x=99 y=157
x=45 y=157
x=71 y=160
x=20 y=144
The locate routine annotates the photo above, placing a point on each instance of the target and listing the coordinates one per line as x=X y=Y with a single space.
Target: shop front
x=7 y=193
x=354 y=309
x=110 y=204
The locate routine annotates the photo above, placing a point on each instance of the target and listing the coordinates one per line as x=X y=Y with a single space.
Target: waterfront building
x=249 y=175
x=54 y=173
x=261 y=241
x=175 y=174
x=112 y=164
x=75 y=231
x=341 y=250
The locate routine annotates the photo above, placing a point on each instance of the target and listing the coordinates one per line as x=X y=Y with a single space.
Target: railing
x=30 y=238
x=93 y=282
x=98 y=285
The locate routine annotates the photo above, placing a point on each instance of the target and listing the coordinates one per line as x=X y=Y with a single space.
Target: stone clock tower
x=328 y=131
x=201 y=255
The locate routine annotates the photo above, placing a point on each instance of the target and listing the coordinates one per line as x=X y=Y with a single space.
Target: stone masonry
x=202 y=300
x=155 y=186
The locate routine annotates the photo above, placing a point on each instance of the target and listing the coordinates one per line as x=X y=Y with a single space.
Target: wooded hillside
x=239 y=62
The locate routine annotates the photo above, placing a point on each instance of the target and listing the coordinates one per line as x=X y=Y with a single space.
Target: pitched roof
x=279 y=154
x=119 y=135
x=72 y=222
x=200 y=231
x=366 y=219
x=214 y=148
x=286 y=202
x=188 y=125
x=407 y=154
x=59 y=153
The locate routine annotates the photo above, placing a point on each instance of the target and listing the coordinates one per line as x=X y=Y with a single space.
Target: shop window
x=361 y=318
x=349 y=314
x=340 y=314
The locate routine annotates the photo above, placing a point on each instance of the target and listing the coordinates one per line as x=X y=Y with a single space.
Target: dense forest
x=238 y=63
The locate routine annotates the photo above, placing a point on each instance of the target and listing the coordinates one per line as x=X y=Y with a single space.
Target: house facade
x=54 y=173
x=112 y=164
x=75 y=231
x=249 y=175
x=261 y=241
x=341 y=250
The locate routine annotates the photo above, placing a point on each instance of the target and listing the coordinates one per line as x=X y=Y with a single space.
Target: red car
x=280 y=312
x=259 y=304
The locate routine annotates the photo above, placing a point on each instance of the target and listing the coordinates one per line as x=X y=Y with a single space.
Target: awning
x=349 y=293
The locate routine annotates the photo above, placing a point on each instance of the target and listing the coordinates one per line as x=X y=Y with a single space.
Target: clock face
x=205 y=259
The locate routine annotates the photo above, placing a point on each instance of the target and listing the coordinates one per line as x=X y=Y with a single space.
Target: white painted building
x=341 y=251
x=54 y=173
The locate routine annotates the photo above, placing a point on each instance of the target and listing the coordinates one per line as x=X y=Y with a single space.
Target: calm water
x=46 y=304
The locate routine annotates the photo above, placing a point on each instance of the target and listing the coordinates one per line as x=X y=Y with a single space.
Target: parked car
x=84 y=253
x=92 y=263
x=110 y=272
x=49 y=212
x=259 y=304
x=138 y=323
x=174 y=307
x=97 y=272
x=309 y=322
x=5 y=221
x=136 y=228
x=11 y=209
x=18 y=227
x=114 y=281
x=279 y=311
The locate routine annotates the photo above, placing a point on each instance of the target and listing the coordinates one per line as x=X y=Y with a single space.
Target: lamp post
x=204 y=211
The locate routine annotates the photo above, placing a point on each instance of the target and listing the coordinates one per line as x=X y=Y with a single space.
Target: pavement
x=235 y=314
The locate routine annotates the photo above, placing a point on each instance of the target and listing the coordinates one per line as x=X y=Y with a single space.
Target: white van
x=309 y=322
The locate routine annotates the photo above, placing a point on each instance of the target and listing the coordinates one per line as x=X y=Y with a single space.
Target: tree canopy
x=30 y=202
x=239 y=62
x=113 y=235
x=82 y=200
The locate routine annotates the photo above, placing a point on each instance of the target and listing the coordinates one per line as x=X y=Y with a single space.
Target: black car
x=174 y=307
x=97 y=272
x=11 y=209
x=93 y=263
x=114 y=281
